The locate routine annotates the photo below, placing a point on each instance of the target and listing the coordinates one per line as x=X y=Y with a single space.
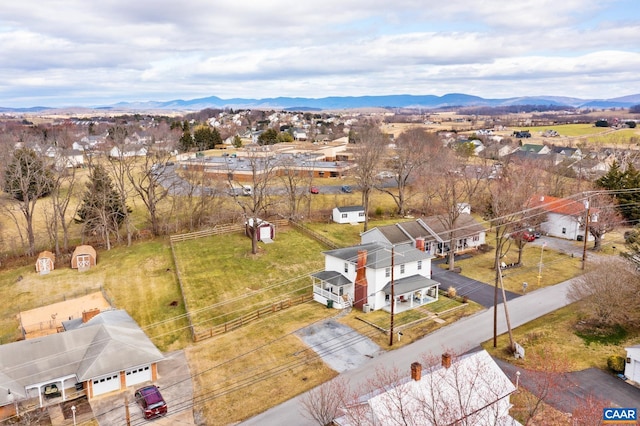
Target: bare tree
x=62 y=193
x=323 y=403
x=297 y=183
x=119 y=164
x=609 y=293
x=510 y=196
x=413 y=148
x=370 y=144
x=588 y=412
x=605 y=217
x=262 y=166
x=151 y=182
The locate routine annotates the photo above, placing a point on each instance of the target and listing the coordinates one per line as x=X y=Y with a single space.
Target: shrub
x=451 y=292
x=379 y=211
x=616 y=363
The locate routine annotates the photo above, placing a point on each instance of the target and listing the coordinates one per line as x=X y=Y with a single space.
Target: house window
x=346 y=267
x=344 y=215
x=476 y=238
x=401 y=269
x=387 y=272
x=564 y=230
x=361 y=214
x=419 y=265
x=321 y=174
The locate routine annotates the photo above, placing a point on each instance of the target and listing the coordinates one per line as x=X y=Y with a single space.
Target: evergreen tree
x=102 y=210
x=613 y=179
x=268 y=137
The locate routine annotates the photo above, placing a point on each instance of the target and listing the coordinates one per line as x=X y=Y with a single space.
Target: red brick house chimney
x=420 y=244
x=416 y=371
x=361 y=286
x=446 y=360
x=87 y=315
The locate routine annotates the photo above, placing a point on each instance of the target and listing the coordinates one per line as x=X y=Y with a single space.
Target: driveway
x=580 y=384
x=477 y=291
x=174 y=381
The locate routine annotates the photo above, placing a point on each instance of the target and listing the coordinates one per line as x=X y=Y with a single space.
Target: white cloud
x=163 y=49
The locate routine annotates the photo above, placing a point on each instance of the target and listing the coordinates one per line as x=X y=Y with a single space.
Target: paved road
x=458 y=337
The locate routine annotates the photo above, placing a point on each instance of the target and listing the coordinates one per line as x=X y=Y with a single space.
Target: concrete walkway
x=458 y=337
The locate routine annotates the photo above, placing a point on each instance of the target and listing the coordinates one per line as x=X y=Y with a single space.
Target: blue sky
x=68 y=53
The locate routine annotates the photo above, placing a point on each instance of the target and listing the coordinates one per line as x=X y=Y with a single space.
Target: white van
x=247 y=190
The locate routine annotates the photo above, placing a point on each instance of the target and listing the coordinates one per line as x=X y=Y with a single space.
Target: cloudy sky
x=88 y=53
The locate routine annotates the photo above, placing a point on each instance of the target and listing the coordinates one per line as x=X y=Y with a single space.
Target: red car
x=524 y=236
x=314 y=190
x=151 y=402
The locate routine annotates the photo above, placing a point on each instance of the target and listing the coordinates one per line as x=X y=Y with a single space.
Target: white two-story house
x=371 y=276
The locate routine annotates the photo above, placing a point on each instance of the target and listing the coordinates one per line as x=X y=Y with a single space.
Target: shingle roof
x=110 y=342
x=558 y=205
x=379 y=254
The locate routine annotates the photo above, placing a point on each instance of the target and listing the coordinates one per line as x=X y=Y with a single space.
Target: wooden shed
x=45 y=263
x=266 y=230
x=83 y=258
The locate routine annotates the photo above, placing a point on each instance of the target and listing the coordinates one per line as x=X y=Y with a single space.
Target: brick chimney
x=446 y=360
x=87 y=315
x=420 y=244
x=361 y=286
x=416 y=371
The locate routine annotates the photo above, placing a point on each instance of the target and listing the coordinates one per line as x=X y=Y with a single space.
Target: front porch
x=410 y=293
x=332 y=289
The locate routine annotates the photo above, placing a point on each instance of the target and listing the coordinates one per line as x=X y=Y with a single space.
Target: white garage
x=138 y=375
x=632 y=366
x=105 y=384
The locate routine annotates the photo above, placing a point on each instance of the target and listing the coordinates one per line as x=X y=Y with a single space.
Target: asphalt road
x=459 y=337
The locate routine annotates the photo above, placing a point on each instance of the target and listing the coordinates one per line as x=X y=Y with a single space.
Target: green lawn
x=139 y=279
x=556 y=267
x=223 y=280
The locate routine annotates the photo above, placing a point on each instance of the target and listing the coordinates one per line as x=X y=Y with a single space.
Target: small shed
x=83 y=258
x=348 y=214
x=45 y=263
x=266 y=230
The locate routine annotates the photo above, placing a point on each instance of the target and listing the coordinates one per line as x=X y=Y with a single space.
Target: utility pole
x=586 y=232
x=393 y=297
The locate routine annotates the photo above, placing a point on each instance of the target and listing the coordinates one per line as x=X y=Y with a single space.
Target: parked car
x=523 y=235
x=533 y=232
x=314 y=190
x=345 y=189
x=151 y=402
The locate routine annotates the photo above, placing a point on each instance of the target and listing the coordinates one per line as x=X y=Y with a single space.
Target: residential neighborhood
x=211 y=234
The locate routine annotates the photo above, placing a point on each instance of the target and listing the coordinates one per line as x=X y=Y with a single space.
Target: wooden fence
x=312 y=234
x=251 y=317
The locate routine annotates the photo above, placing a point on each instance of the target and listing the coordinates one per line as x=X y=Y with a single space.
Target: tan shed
x=45 y=263
x=83 y=258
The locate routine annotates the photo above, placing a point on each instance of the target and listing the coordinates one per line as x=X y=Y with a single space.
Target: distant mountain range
x=350 y=102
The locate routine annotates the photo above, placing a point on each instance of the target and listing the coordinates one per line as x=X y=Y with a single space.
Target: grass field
x=556 y=267
x=223 y=280
x=557 y=331
x=139 y=279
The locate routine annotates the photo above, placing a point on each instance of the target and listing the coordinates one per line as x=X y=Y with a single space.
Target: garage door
x=138 y=375
x=106 y=384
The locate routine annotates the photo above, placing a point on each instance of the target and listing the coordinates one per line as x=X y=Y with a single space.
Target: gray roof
x=405 y=232
x=379 y=254
x=350 y=209
x=108 y=343
x=409 y=284
x=332 y=277
x=464 y=226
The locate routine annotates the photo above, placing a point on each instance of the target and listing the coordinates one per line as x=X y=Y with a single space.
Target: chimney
x=416 y=371
x=361 y=288
x=446 y=360
x=87 y=315
x=420 y=243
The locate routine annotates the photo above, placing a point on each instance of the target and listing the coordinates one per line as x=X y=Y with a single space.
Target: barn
x=266 y=230
x=45 y=263
x=83 y=258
